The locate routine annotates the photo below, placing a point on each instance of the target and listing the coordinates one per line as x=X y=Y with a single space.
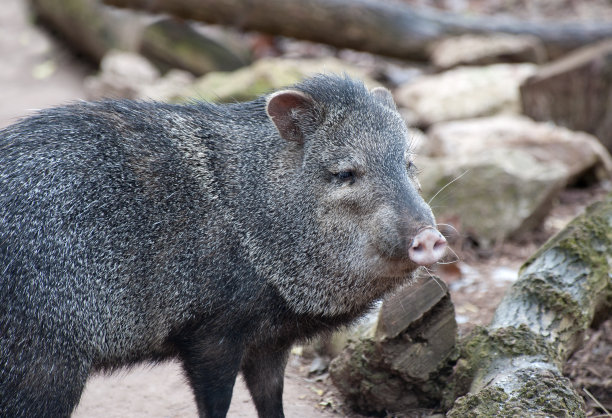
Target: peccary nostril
x=428 y=246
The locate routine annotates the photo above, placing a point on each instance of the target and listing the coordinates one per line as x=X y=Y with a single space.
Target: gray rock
x=505 y=172
x=464 y=93
x=131 y=76
x=122 y=75
x=496 y=194
x=486 y=49
x=580 y=153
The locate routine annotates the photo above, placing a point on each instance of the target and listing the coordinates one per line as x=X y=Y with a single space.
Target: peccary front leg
x=212 y=367
x=40 y=384
x=263 y=371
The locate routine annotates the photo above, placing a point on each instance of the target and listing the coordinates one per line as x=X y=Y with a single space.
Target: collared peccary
x=217 y=234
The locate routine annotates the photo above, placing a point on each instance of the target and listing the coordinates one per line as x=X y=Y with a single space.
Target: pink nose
x=427 y=247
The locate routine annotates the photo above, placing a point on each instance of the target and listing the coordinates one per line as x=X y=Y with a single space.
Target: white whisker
x=435 y=279
x=446 y=185
x=450 y=227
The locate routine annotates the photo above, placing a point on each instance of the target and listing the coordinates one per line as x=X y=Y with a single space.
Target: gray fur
x=220 y=235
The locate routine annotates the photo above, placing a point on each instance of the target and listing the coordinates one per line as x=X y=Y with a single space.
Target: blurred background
x=509 y=105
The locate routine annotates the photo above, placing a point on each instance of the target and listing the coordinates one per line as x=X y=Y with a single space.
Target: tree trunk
x=574 y=91
x=380 y=27
x=514 y=365
x=405 y=366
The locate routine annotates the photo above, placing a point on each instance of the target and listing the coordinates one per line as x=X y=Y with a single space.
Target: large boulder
x=496 y=194
x=575 y=91
x=580 y=153
x=499 y=176
x=463 y=93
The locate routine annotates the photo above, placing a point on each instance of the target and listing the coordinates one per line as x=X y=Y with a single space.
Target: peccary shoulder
x=219 y=235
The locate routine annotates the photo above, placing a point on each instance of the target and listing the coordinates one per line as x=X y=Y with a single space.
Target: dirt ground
x=36 y=72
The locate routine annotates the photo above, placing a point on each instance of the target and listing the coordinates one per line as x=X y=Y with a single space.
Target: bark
x=514 y=365
x=380 y=27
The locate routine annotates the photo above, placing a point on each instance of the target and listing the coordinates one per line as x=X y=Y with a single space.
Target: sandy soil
x=35 y=72
x=161 y=391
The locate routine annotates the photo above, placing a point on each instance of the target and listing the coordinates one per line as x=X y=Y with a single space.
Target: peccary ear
x=384 y=96
x=291 y=111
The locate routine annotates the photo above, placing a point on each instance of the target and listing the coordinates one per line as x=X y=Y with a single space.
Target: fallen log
x=93 y=29
x=173 y=44
x=404 y=367
x=89 y=27
x=514 y=366
x=381 y=27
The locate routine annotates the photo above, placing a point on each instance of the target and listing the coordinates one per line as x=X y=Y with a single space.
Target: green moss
x=542 y=395
x=503 y=342
x=170 y=44
x=570 y=274
x=483 y=346
x=541 y=289
x=487 y=403
x=587 y=239
x=549 y=393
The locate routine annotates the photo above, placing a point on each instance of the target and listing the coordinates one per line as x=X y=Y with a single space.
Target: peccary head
x=346 y=222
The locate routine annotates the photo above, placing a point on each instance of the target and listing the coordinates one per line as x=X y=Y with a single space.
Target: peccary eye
x=345 y=176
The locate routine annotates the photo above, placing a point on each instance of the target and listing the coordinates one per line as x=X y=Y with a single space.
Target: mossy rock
x=262 y=77
x=496 y=194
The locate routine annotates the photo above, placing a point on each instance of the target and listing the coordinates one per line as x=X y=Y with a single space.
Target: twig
x=597 y=402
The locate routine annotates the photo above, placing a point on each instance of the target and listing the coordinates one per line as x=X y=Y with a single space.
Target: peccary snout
x=427 y=247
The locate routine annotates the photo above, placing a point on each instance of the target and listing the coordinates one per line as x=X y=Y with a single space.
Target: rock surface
x=580 y=153
x=464 y=93
x=263 y=76
x=495 y=195
x=504 y=172
x=485 y=50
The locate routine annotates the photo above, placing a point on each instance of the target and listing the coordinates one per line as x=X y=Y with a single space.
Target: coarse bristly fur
x=217 y=234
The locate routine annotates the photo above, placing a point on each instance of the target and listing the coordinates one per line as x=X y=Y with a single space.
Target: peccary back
x=220 y=235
